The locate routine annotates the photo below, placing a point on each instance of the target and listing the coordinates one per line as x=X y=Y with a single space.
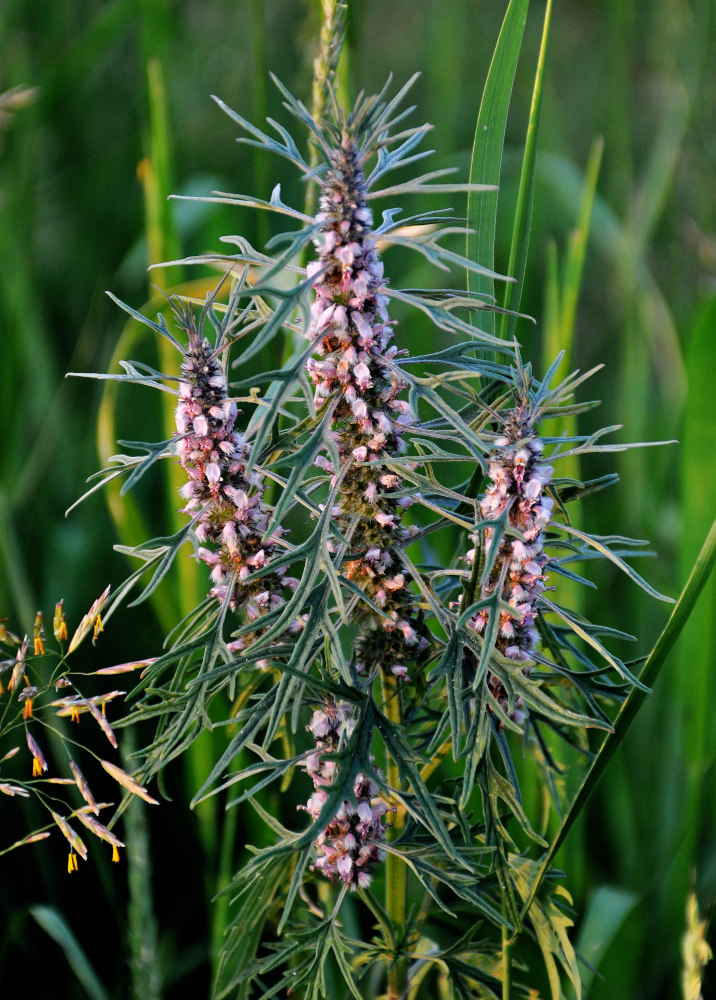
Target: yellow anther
x=98 y=627
x=115 y=852
x=71 y=863
x=27 y=711
x=36 y=768
x=58 y=622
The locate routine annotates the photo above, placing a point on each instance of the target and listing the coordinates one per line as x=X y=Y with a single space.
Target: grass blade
x=523 y=212
x=560 y=335
x=54 y=924
x=487 y=150
x=679 y=616
x=602 y=924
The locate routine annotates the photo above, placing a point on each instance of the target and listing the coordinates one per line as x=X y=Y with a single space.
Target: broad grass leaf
x=523 y=211
x=655 y=661
x=54 y=924
x=487 y=148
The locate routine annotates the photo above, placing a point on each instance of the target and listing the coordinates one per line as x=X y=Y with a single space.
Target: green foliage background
x=73 y=223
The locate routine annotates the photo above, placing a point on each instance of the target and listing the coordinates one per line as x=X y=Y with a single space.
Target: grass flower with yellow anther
x=37 y=673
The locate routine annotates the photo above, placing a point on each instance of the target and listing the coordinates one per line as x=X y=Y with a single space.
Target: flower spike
x=349 y=847
x=232 y=518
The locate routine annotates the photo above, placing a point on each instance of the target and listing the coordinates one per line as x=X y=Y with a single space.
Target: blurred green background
x=73 y=223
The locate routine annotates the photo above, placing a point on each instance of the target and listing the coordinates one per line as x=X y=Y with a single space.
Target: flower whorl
x=348 y=848
x=232 y=518
x=518 y=478
x=350 y=326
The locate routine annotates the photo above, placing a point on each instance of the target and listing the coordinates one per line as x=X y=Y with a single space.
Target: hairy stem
x=380 y=915
x=142 y=929
x=396 y=883
x=506 y=969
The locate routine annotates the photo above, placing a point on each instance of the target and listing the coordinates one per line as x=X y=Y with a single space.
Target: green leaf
x=488 y=146
x=300 y=865
x=525 y=196
x=301 y=461
x=252 y=908
x=550 y=925
x=257 y=718
x=428 y=815
x=54 y=924
x=501 y=789
x=650 y=671
x=599 y=543
x=427 y=866
x=608 y=909
x=476 y=742
x=287 y=149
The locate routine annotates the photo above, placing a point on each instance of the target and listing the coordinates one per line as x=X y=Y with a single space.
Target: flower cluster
x=518 y=478
x=348 y=848
x=227 y=503
x=352 y=332
x=29 y=779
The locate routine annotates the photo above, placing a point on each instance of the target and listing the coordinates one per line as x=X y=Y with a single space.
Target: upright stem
x=142 y=928
x=325 y=69
x=506 y=966
x=396 y=883
x=506 y=969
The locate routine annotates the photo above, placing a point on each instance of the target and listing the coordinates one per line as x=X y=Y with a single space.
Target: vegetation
x=604 y=179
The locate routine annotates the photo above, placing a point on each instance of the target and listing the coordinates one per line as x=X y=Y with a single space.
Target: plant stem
x=425 y=772
x=142 y=929
x=220 y=912
x=396 y=883
x=506 y=970
x=380 y=915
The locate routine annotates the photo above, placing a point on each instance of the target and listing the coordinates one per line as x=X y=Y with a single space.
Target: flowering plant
x=423 y=697
x=396 y=666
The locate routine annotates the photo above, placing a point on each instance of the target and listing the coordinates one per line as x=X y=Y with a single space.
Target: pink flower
x=232 y=519
x=385 y=520
x=201 y=425
x=361 y=376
